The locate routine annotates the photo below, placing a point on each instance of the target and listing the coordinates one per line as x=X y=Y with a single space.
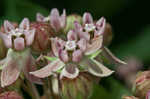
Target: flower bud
x=78 y=88
x=129 y=97
x=10 y=95
x=142 y=84
x=42 y=35
x=70 y=21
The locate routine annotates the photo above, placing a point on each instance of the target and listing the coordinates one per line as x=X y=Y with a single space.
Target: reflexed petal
x=39 y=17
x=95 y=45
x=19 y=44
x=24 y=25
x=82 y=44
x=9 y=73
x=63 y=55
x=101 y=24
x=96 y=68
x=72 y=36
x=14 y=63
x=30 y=66
x=8 y=26
x=112 y=58
x=55 y=19
x=54 y=46
x=2 y=62
x=29 y=36
x=70 y=72
x=63 y=19
x=105 y=71
x=7 y=40
x=87 y=18
x=57 y=44
x=77 y=55
x=49 y=69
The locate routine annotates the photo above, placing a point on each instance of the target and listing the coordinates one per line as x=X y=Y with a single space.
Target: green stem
x=25 y=87
x=46 y=89
x=35 y=94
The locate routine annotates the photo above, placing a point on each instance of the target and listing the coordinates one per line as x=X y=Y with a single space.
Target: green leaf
x=50 y=58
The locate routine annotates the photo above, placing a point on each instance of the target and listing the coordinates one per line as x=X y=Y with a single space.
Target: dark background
x=130 y=20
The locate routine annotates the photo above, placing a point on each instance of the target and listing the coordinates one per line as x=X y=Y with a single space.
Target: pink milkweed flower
x=73 y=53
x=57 y=21
x=89 y=25
x=17 y=38
x=18 y=58
x=12 y=68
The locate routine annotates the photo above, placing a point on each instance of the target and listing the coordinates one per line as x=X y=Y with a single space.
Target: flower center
x=89 y=27
x=70 y=45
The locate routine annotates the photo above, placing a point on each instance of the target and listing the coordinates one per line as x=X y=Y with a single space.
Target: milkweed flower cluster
x=72 y=51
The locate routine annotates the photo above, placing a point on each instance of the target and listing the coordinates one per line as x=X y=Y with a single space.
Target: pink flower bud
x=70 y=21
x=42 y=34
x=142 y=84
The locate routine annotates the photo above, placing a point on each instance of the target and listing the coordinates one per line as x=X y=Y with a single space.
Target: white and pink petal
x=95 y=45
x=100 y=25
x=63 y=19
x=72 y=35
x=31 y=66
x=56 y=45
x=7 y=39
x=49 y=69
x=77 y=55
x=82 y=44
x=70 y=72
x=63 y=55
x=8 y=26
x=24 y=25
x=29 y=36
x=87 y=18
x=9 y=73
x=39 y=17
x=19 y=44
x=55 y=19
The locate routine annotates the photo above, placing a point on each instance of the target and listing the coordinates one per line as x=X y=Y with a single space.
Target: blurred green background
x=130 y=20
